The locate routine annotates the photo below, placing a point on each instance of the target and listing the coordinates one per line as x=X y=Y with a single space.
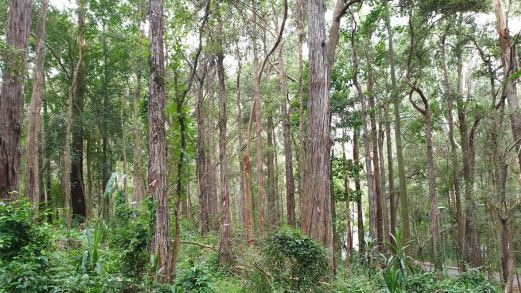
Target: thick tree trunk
x=316 y=198
x=76 y=178
x=404 y=200
x=156 y=138
x=12 y=94
x=32 y=185
x=301 y=21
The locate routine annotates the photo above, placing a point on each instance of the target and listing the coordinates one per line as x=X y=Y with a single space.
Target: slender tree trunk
x=224 y=244
x=302 y=98
x=390 y=168
x=454 y=154
x=371 y=192
x=240 y=139
x=288 y=153
x=348 y=244
x=383 y=179
x=273 y=210
x=202 y=164
x=156 y=138
x=32 y=184
x=404 y=200
x=137 y=149
x=12 y=94
x=316 y=198
x=358 y=190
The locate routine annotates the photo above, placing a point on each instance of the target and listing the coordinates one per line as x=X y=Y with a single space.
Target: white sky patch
x=63 y=4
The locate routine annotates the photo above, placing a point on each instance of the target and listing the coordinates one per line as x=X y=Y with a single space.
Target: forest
x=260 y=146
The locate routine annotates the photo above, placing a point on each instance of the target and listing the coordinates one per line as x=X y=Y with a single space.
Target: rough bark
x=404 y=200
x=32 y=177
x=156 y=138
x=12 y=94
x=316 y=198
x=202 y=161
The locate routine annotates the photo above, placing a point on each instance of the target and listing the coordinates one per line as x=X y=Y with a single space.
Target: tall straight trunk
x=32 y=185
x=12 y=94
x=390 y=168
x=371 y=192
x=76 y=177
x=384 y=198
x=213 y=196
x=316 y=193
x=273 y=209
x=156 y=138
x=288 y=153
x=454 y=154
x=240 y=139
x=301 y=21
x=224 y=244
x=404 y=199
x=358 y=190
x=202 y=160
x=348 y=243
x=261 y=197
x=137 y=149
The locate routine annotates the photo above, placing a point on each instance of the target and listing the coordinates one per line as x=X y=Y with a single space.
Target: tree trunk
x=76 y=177
x=384 y=199
x=137 y=149
x=510 y=66
x=316 y=198
x=202 y=161
x=358 y=190
x=404 y=200
x=156 y=139
x=390 y=168
x=32 y=184
x=348 y=243
x=273 y=210
x=288 y=154
x=224 y=244
x=12 y=94
x=453 y=154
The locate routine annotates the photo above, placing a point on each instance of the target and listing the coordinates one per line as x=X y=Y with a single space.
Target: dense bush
x=295 y=261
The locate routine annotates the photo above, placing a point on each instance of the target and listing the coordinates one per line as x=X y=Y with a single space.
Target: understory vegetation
x=113 y=256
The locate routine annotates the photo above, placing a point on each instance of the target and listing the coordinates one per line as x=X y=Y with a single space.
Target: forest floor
x=451 y=271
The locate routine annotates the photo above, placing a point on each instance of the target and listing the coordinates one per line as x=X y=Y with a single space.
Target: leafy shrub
x=295 y=261
x=196 y=279
x=24 y=249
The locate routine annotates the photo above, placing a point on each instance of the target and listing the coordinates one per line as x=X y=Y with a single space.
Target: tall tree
x=316 y=192
x=404 y=200
x=32 y=178
x=156 y=138
x=225 y=228
x=12 y=93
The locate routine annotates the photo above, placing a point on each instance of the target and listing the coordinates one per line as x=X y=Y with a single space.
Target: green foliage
x=469 y=282
x=295 y=260
x=196 y=279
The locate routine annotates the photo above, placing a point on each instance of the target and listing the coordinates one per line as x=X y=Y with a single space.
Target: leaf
x=515 y=75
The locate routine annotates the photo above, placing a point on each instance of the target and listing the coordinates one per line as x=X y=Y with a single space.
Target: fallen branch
x=199 y=244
